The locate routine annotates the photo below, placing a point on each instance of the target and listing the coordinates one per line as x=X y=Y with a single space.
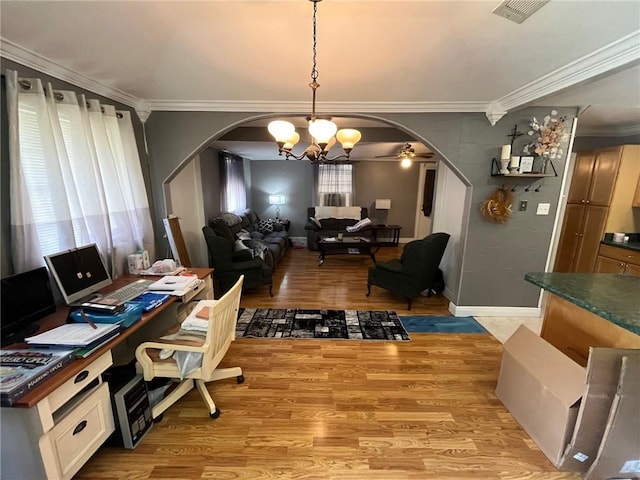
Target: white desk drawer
x=78 y=434
x=72 y=386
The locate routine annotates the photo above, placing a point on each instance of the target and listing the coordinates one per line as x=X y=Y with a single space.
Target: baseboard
x=479 y=311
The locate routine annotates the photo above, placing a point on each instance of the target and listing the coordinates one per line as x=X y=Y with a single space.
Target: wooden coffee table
x=347 y=246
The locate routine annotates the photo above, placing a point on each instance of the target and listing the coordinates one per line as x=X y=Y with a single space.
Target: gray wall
x=499 y=253
x=387 y=180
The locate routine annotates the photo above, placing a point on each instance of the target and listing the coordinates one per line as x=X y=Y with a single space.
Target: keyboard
x=126 y=293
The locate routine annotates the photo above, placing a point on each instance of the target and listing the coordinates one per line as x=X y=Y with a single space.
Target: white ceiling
x=373 y=56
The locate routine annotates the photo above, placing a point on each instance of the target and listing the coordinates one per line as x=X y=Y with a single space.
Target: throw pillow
x=222 y=229
x=265 y=226
x=315 y=221
x=239 y=246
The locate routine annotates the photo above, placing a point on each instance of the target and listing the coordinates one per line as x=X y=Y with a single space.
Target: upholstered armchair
x=414 y=271
x=229 y=267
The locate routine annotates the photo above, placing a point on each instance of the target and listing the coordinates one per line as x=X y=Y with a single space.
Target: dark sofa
x=329 y=226
x=267 y=239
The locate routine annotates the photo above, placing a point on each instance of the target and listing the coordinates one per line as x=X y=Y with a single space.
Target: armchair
x=227 y=268
x=414 y=271
x=220 y=332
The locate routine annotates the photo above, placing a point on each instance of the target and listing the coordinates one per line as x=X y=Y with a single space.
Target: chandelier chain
x=314 y=71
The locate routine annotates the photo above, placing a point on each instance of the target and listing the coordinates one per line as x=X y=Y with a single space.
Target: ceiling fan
x=407 y=152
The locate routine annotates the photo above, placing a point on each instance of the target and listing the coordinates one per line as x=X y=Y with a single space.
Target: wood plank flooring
x=325 y=410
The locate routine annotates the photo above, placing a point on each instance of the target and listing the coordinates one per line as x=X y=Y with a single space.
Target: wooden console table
x=54 y=429
x=395 y=234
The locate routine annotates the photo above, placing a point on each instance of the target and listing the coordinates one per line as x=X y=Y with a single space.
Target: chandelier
x=322 y=130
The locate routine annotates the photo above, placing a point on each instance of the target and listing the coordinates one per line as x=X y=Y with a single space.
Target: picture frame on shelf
x=526 y=163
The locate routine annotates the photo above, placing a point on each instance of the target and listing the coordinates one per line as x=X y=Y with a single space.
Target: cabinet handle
x=81 y=376
x=81 y=426
x=588 y=201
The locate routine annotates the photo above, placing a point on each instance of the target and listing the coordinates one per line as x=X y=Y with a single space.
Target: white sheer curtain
x=335 y=185
x=75 y=177
x=234 y=190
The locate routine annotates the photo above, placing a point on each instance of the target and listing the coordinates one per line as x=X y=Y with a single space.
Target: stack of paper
x=175 y=284
x=74 y=335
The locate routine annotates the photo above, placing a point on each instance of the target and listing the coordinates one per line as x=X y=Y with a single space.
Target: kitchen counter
x=613 y=297
x=586 y=310
x=632 y=244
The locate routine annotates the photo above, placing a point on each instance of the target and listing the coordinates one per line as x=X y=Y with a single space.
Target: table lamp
x=277 y=200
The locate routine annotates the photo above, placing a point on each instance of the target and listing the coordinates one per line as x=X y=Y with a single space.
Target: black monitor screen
x=78 y=272
x=26 y=298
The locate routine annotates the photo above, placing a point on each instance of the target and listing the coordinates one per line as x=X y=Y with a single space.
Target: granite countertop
x=611 y=296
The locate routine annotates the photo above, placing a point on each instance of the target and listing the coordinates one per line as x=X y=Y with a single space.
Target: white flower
x=550 y=134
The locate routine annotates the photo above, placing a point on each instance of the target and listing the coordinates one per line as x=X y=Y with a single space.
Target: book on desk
x=21 y=370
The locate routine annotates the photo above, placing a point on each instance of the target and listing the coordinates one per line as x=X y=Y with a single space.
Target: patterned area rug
x=441 y=324
x=333 y=324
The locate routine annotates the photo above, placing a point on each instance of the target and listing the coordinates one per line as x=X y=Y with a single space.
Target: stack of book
x=23 y=369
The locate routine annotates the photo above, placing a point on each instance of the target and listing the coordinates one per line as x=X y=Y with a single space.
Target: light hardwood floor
x=321 y=409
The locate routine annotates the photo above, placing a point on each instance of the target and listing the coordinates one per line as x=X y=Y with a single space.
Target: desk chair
x=221 y=330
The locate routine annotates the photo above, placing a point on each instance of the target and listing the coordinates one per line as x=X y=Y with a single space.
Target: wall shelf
x=495 y=172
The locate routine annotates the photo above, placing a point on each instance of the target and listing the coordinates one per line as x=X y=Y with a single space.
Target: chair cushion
x=221 y=229
x=394 y=266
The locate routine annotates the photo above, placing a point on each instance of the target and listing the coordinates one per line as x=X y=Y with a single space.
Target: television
x=79 y=273
x=26 y=298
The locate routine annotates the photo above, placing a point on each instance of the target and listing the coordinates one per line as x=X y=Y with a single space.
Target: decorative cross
x=514 y=134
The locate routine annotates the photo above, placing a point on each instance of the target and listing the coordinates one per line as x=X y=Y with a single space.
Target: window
x=335 y=185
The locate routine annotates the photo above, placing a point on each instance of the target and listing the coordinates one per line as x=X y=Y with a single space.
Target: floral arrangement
x=550 y=135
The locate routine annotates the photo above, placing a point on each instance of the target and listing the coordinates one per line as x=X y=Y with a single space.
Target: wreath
x=497 y=207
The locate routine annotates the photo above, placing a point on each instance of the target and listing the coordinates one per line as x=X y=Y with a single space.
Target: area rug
x=441 y=324
x=331 y=324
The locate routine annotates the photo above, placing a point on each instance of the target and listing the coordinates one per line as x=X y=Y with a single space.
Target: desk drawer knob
x=81 y=376
x=81 y=426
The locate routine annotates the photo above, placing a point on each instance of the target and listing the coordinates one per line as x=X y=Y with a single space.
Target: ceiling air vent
x=519 y=10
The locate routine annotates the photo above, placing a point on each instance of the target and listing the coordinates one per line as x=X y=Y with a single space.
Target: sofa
x=266 y=239
x=328 y=221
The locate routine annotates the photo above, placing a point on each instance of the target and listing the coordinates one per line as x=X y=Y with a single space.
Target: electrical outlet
x=543 y=209
x=523 y=206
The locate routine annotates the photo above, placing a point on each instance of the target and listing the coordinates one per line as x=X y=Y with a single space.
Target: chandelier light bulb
x=405 y=163
x=281 y=130
x=331 y=143
x=322 y=130
x=291 y=141
x=348 y=137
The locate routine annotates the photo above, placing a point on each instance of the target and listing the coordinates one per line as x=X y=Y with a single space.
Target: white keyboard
x=126 y=293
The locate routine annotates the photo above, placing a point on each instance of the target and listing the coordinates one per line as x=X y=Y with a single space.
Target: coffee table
x=347 y=246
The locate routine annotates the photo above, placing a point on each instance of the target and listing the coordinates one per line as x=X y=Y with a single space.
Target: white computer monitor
x=79 y=272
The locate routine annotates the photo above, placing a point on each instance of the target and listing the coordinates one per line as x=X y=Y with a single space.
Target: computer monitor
x=79 y=272
x=26 y=298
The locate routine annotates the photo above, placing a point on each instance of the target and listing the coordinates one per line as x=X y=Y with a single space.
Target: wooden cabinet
x=617 y=260
x=599 y=201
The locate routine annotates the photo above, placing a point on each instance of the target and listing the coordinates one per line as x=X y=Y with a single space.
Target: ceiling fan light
x=348 y=137
x=281 y=130
x=291 y=141
x=322 y=130
x=405 y=163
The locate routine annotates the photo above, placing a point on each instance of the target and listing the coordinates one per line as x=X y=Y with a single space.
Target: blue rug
x=441 y=324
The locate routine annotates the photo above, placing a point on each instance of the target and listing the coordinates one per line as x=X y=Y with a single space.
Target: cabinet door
x=590 y=237
x=632 y=269
x=604 y=176
x=636 y=198
x=608 y=265
x=569 y=238
x=579 y=190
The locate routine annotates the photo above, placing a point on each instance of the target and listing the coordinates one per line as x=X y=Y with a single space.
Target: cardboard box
x=541 y=387
x=565 y=408
x=619 y=452
x=603 y=375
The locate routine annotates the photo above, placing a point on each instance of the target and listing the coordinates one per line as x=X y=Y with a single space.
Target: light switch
x=543 y=209
x=523 y=206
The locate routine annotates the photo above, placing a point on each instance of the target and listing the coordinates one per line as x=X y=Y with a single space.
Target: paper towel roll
x=506 y=152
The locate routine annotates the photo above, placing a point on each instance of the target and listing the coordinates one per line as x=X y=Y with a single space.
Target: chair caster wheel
x=158 y=419
x=215 y=414
x=240 y=379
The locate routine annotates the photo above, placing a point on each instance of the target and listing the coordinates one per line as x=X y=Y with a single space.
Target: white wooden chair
x=220 y=333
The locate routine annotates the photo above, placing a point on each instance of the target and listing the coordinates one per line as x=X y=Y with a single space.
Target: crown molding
x=21 y=55
x=609 y=57
x=321 y=107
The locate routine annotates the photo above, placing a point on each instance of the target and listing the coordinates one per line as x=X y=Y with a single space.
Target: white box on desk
x=136 y=264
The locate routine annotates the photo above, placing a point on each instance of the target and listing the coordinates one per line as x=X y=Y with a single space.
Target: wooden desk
x=54 y=429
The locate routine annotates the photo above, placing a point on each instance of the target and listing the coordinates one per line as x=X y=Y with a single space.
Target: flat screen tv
x=79 y=272
x=26 y=298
